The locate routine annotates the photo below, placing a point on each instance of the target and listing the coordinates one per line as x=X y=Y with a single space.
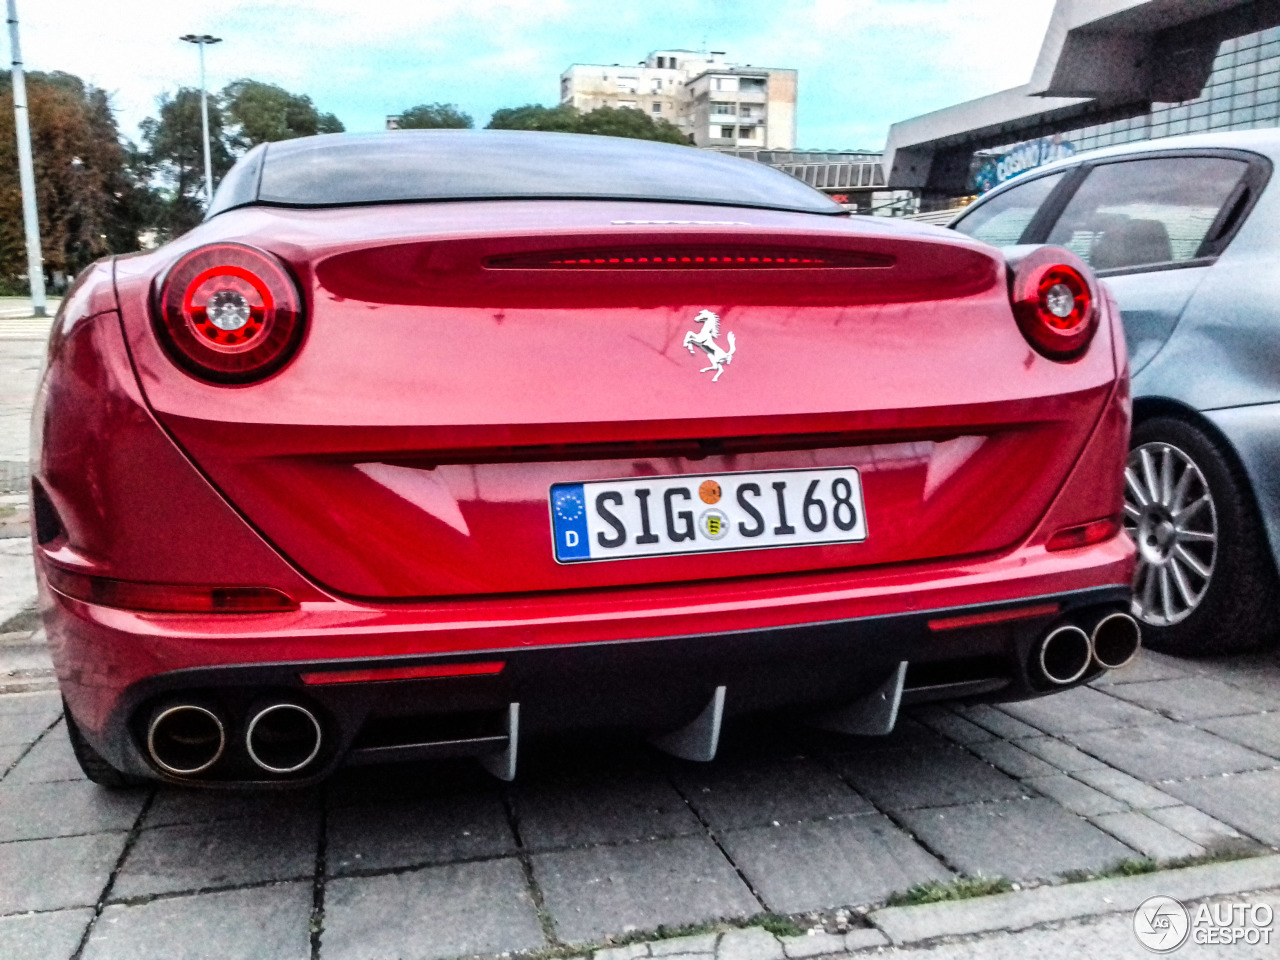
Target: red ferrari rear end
x=349 y=474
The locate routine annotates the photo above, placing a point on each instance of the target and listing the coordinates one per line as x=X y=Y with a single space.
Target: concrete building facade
x=715 y=103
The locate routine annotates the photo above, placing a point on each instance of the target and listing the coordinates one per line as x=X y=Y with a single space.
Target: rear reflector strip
x=688 y=258
x=167 y=597
x=994 y=616
x=1085 y=534
x=376 y=674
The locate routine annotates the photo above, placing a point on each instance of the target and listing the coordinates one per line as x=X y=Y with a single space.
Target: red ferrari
x=424 y=441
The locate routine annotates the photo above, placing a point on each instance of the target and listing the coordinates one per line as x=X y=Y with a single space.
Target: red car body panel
x=430 y=393
x=393 y=477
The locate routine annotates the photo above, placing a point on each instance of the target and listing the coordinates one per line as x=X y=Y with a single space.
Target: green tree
x=534 y=116
x=431 y=116
x=87 y=198
x=627 y=122
x=143 y=206
x=604 y=121
x=175 y=157
x=256 y=112
x=244 y=114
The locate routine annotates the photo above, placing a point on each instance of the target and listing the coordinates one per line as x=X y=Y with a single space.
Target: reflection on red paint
x=994 y=616
x=485 y=668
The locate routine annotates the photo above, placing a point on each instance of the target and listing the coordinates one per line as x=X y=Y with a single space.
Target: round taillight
x=1054 y=303
x=229 y=313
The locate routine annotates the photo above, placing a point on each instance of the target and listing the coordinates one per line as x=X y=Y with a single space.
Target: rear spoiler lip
x=553 y=198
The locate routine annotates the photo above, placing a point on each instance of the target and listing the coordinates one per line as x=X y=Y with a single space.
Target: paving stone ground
x=601 y=838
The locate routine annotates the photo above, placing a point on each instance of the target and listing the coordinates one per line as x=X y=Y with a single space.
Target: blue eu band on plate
x=660 y=516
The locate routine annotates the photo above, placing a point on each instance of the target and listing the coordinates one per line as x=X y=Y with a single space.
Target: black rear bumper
x=649 y=685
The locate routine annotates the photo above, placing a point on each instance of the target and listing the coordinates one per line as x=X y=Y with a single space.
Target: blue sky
x=863 y=63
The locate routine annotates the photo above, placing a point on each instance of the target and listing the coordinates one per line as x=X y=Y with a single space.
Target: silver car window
x=1003 y=219
x=1147 y=212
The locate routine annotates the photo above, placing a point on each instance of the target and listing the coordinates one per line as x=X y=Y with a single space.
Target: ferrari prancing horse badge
x=705 y=340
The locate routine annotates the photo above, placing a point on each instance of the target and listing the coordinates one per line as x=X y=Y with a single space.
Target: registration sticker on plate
x=659 y=516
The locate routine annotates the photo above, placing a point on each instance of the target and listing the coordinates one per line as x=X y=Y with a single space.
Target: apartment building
x=717 y=104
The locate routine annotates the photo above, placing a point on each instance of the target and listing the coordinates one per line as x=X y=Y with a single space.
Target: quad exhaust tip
x=1065 y=655
x=283 y=738
x=185 y=739
x=1117 y=638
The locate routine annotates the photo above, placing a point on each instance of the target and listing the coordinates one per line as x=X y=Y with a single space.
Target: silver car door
x=1150 y=305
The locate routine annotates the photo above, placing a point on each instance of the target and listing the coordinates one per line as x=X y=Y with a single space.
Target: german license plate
x=661 y=516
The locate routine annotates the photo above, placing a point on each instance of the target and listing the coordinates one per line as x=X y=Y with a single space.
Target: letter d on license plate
x=660 y=516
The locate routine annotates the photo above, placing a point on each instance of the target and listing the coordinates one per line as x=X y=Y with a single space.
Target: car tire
x=95 y=767
x=1199 y=515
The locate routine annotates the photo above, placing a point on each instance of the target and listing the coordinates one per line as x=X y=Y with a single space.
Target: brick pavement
x=600 y=838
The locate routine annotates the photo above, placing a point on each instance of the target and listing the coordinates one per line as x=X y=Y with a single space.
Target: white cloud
x=131 y=48
x=863 y=63
x=878 y=61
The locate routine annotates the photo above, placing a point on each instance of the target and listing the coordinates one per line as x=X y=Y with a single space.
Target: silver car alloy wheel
x=1169 y=512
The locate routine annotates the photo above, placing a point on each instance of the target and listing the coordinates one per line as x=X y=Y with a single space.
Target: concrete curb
x=29 y=685
x=1001 y=913
x=748 y=943
x=1029 y=908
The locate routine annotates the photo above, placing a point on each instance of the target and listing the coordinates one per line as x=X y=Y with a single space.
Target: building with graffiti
x=1109 y=71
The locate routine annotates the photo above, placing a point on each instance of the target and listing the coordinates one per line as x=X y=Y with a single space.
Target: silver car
x=1186 y=233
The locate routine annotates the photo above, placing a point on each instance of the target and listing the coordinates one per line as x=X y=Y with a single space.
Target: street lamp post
x=202 y=40
x=26 y=173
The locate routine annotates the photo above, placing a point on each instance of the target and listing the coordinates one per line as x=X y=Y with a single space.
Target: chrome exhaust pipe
x=1064 y=655
x=283 y=737
x=185 y=739
x=1116 y=641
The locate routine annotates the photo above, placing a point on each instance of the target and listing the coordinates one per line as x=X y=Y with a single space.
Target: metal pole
x=26 y=172
x=202 y=40
x=204 y=125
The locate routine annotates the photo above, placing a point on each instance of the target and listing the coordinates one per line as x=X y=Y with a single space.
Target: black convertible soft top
x=424 y=165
